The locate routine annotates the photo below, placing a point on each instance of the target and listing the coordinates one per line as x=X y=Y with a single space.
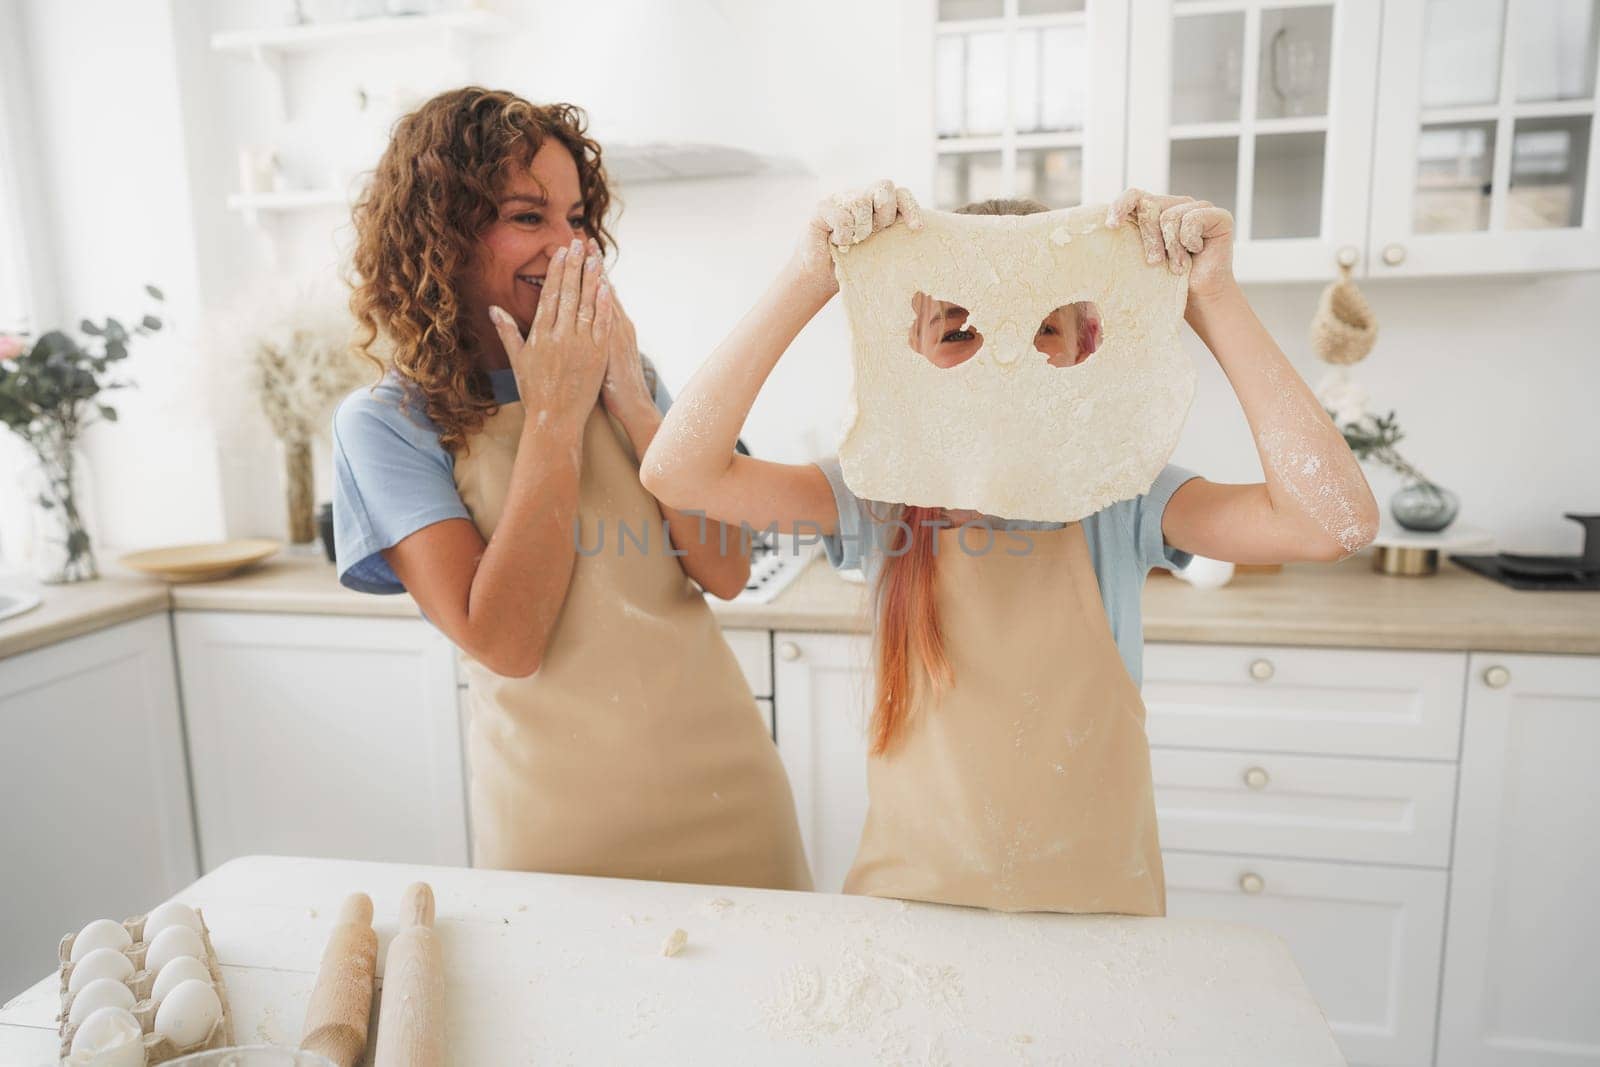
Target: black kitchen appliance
x=1545 y=572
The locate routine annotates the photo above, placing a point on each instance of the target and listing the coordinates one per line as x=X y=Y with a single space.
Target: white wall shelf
x=321 y=34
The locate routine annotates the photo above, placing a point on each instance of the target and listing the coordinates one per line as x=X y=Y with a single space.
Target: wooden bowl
x=200 y=563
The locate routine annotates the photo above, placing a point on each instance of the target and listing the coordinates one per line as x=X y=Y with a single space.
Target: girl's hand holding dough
x=1193 y=235
x=561 y=363
x=847 y=219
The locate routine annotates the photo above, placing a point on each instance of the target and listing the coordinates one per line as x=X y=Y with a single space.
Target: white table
x=552 y=969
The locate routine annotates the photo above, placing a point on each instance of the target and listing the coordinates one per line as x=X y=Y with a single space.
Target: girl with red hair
x=1008 y=761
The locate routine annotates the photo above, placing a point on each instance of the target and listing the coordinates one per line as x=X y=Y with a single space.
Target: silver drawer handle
x=789 y=650
x=1261 y=669
x=1496 y=677
x=1256 y=778
x=1252 y=883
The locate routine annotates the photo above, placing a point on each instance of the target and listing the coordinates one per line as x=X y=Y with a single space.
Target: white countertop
x=553 y=969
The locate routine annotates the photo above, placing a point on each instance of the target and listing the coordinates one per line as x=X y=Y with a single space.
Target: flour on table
x=1004 y=432
x=867 y=994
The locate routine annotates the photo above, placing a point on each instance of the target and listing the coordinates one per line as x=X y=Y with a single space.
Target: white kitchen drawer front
x=1367 y=939
x=753 y=650
x=1327 y=701
x=1307 y=807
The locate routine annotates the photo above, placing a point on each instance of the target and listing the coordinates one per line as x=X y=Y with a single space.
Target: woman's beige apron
x=1026 y=785
x=636 y=750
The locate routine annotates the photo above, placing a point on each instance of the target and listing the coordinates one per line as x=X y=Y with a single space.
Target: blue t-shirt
x=1124 y=542
x=392 y=477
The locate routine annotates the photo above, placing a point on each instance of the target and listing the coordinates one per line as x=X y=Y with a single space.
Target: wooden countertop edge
x=1255 y=609
x=33 y=631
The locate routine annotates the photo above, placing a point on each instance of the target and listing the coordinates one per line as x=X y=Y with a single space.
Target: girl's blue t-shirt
x=1124 y=543
x=392 y=477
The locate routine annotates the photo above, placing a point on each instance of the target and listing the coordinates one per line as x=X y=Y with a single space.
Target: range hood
x=635 y=163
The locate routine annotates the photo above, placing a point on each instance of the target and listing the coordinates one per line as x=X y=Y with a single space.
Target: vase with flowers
x=50 y=393
x=1420 y=504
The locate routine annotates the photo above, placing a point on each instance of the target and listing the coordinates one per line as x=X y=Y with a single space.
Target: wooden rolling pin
x=411 y=1013
x=341 y=1001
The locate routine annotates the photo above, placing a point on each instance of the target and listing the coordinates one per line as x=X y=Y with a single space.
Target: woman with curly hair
x=493 y=474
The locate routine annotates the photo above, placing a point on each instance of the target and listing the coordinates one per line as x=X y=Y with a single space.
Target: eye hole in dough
x=1070 y=334
x=942 y=332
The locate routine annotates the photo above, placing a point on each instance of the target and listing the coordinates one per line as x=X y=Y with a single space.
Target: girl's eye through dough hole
x=941 y=332
x=1070 y=334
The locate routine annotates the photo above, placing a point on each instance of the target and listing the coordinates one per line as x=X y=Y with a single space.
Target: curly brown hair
x=417 y=225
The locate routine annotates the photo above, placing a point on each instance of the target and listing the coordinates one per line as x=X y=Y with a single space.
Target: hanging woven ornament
x=1343 y=329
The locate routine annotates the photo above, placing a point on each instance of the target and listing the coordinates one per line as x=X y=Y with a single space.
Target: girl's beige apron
x=1026 y=785
x=636 y=750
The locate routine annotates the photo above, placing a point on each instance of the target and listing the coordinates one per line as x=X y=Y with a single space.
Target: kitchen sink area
x=15 y=603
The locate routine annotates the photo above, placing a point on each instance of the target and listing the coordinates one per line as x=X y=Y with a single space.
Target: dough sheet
x=1004 y=432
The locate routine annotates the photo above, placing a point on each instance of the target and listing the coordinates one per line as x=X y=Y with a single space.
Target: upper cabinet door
x=1483 y=140
x=1027 y=100
x=1263 y=107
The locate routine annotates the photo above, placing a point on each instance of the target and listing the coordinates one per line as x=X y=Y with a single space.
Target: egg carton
x=158 y=1048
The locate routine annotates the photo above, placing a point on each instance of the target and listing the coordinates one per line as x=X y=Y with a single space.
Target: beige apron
x=636 y=750
x=1026 y=785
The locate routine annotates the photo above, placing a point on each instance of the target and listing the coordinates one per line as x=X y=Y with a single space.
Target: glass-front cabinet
x=1263 y=107
x=1483 y=141
x=1027 y=100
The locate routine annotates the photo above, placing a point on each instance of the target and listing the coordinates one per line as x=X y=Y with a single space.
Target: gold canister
x=1407 y=560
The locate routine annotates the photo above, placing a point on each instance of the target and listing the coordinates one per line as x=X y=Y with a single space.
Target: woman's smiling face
x=539 y=208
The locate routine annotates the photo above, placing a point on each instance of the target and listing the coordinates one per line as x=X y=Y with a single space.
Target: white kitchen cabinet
x=1324 y=701
x=1309 y=807
x=98 y=823
x=1026 y=97
x=322 y=735
x=1263 y=107
x=824 y=685
x=1402 y=138
x=753 y=650
x=1522 y=961
x=1367 y=939
x=1485 y=138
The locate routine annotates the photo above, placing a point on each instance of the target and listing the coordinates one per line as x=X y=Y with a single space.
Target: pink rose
x=10 y=347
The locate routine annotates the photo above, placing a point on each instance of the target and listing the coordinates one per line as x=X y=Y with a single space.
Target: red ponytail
x=908 y=619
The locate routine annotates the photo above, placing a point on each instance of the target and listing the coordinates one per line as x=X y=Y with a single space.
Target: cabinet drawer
x=1310 y=807
x=1337 y=702
x=753 y=650
x=1367 y=939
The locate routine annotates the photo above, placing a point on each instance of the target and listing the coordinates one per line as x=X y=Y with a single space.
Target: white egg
x=100 y=993
x=110 y=1037
x=172 y=913
x=178 y=970
x=101 y=963
x=171 y=943
x=189 y=1012
x=102 y=933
